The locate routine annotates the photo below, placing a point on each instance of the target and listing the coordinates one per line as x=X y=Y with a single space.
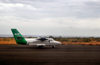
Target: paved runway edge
x=61 y=55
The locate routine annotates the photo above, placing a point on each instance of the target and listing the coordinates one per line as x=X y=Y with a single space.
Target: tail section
x=18 y=37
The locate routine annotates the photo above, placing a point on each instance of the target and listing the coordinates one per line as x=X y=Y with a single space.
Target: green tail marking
x=18 y=37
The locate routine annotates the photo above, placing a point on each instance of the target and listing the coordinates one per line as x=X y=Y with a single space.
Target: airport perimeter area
x=61 y=55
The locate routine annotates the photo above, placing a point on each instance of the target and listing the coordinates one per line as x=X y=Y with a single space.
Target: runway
x=61 y=55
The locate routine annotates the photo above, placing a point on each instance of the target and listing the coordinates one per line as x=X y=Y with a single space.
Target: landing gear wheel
x=53 y=46
x=40 y=46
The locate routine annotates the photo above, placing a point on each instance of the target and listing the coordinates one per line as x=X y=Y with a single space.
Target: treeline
x=78 y=39
x=69 y=39
x=6 y=38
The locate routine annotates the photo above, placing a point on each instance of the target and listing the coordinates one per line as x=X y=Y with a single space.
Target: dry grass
x=12 y=41
x=82 y=43
x=7 y=41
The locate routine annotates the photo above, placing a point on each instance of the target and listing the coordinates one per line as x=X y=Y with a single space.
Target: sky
x=51 y=17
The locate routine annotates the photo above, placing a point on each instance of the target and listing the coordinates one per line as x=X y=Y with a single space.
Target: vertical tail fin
x=18 y=37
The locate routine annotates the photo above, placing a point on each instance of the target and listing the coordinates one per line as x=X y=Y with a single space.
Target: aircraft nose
x=59 y=43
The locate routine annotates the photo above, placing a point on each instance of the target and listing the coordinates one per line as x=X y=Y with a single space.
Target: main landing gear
x=53 y=46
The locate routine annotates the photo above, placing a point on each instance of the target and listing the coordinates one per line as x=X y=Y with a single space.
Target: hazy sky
x=51 y=17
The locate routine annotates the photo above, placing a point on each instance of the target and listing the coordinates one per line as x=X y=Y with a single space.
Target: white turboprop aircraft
x=39 y=42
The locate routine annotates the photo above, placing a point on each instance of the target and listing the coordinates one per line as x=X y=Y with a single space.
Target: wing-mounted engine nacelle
x=42 y=39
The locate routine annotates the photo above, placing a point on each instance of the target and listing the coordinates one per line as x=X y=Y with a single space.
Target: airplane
x=38 y=42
